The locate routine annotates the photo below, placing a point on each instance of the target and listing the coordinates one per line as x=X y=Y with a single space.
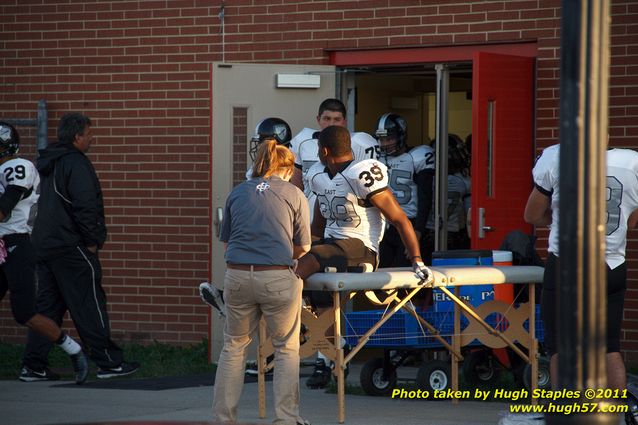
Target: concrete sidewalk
x=41 y=403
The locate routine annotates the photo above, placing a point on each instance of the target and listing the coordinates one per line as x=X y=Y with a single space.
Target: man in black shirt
x=68 y=232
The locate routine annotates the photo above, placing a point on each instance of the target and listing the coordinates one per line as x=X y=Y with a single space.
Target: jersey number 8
x=613 y=202
x=340 y=211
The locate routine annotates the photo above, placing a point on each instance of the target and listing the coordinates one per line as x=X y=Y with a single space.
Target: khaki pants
x=249 y=295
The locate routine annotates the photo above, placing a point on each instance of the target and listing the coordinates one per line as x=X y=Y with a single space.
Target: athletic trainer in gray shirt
x=264 y=218
x=265 y=228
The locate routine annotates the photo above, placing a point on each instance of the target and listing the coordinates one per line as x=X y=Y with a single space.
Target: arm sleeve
x=21 y=181
x=83 y=192
x=543 y=171
x=10 y=198
x=301 y=225
x=424 y=186
x=368 y=178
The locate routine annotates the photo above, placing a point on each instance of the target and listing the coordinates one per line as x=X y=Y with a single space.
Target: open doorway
x=410 y=91
x=490 y=96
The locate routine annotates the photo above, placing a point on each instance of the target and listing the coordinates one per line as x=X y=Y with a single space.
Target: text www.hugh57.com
x=568 y=409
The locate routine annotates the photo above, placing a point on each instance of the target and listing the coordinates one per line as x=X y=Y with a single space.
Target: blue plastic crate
x=403 y=330
x=540 y=328
x=474 y=294
x=400 y=330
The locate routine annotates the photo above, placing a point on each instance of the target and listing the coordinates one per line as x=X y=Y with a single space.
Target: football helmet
x=9 y=140
x=392 y=125
x=458 y=155
x=270 y=128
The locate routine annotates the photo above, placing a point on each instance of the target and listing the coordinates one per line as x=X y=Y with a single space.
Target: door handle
x=482 y=228
x=219 y=217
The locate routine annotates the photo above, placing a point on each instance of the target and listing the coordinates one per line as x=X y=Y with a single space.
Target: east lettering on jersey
x=344 y=200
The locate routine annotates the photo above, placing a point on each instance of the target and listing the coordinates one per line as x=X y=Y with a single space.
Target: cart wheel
x=371 y=378
x=544 y=382
x=433 y=376
x=631 y=416
x=480 y=369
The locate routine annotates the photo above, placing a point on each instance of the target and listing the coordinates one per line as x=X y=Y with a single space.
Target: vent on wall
x=298 y=81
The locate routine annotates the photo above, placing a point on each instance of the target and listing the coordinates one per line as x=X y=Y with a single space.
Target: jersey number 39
x=369 y=177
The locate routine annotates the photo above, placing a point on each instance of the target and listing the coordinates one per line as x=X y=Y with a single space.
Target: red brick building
x=142 y=70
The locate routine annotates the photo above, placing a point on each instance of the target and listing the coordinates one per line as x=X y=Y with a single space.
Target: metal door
x=242 y=95
x=502 y=145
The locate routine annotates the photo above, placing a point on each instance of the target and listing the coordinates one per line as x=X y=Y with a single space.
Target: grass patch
x=157 y=360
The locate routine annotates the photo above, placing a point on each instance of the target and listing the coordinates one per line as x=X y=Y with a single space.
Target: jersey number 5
x=402 y=191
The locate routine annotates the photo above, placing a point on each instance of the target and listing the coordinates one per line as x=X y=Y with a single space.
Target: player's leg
x=19 y=270
x=4 y=286
x=548 y=314
x=616 y=289
x=336 y=254
x=35 y=360
x=78 y=274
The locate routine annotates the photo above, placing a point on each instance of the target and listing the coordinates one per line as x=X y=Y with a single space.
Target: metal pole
x=351 y=98
x=440 y=191
x=42 y=124
x=583 y=134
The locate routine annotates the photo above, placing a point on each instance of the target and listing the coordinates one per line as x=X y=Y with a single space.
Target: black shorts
x=616 y=288
x=340 y=254
x=17 y=275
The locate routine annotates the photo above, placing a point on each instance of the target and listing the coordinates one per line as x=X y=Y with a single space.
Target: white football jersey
x=20 y=172
x=403 y=169
x=344 y=201
x=621 y=197
x=459 y=189
x=306 y=150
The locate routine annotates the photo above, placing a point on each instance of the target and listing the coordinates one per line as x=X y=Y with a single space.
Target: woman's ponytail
x=270 y=158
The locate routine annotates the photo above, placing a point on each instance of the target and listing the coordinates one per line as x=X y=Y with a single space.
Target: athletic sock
x=68 y=344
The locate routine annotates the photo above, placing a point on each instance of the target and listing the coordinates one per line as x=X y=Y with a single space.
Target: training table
x=344 y=286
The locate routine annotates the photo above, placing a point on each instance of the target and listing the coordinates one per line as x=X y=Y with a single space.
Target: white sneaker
x=213 y=297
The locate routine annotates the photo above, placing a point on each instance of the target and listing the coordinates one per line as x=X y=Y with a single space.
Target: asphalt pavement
x=189 y=399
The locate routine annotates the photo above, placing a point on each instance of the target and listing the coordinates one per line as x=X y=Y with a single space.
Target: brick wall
x=624 y=133
x=141 y=70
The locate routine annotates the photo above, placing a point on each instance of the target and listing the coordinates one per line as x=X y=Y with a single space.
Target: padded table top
x=404 y=278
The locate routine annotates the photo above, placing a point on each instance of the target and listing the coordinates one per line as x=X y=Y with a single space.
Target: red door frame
x=344 y=58
x=412 y=55
x=447 y=54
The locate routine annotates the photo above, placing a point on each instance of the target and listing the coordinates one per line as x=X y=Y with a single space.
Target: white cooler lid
x=502 y=256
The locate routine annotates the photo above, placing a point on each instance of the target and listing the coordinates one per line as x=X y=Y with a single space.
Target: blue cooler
x=474 y=294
